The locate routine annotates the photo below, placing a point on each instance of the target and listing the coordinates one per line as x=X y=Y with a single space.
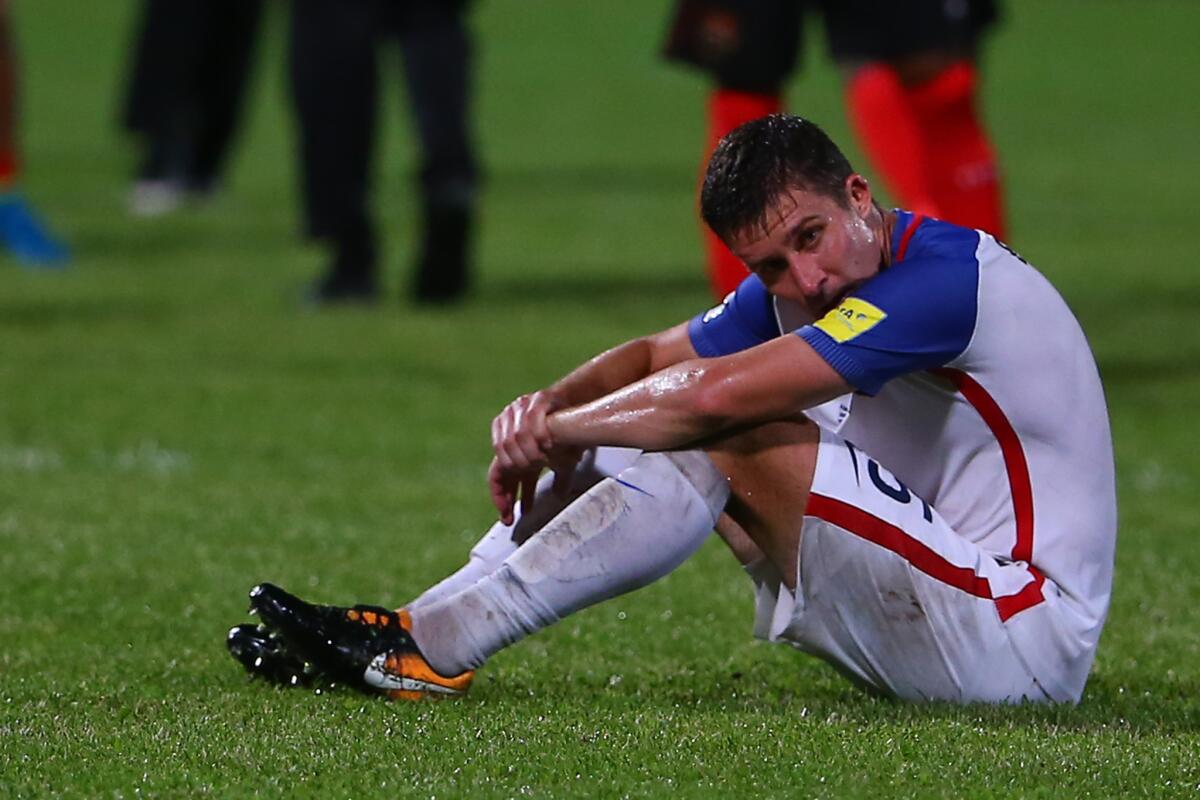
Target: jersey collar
x=906 y=226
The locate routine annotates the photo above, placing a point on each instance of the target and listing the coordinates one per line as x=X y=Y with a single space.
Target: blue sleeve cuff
x=845 y=366
x=744 y=319
x=703 y=344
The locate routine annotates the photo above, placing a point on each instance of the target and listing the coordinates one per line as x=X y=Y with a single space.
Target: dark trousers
x=334 y=78
x=188 y=77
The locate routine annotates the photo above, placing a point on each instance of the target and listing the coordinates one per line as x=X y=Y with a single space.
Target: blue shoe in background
x=27 y=238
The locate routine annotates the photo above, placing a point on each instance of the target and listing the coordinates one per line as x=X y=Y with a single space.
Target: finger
x=496 y=430
x=502 y=426
x=540 y=431
x=514 y=414
x=511 y=457
x=505 y=507
x=502 y=496
x=502 y=459
x=530 y=449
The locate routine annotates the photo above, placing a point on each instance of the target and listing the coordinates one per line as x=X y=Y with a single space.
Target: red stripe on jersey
x=924 y=558
x=1010 y=448
x=1028 y=597
x=886 y=535
x=1020 y=485
x=906 y=237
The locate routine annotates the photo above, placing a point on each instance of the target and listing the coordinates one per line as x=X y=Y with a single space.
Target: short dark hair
x=760 y=160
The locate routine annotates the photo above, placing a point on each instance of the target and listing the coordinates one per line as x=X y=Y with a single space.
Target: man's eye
x=810 y=237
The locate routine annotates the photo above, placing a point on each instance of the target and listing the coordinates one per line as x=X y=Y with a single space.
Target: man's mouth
x=838 y=297
x=833 y=303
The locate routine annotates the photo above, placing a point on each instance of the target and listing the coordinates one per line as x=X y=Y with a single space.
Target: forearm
x=606 y=373
x=660 y=412
x=623 y=365
x=698 y=399
x=521 y=438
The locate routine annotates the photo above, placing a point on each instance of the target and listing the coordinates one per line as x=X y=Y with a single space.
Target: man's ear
x=858 y=193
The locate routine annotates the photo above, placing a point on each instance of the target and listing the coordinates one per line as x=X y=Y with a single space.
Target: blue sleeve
x=916 y=315
x=745 y=318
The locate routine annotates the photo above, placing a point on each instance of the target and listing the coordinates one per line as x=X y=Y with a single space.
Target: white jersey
x=978 y=391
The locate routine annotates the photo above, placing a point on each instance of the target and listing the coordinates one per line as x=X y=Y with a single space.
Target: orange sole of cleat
x=411 y=697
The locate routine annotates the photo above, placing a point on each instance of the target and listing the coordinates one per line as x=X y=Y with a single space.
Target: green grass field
x=173 y=430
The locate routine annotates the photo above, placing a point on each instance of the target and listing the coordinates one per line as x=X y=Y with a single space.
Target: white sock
x=622 y=534
x=502 y=540
x=487 y=554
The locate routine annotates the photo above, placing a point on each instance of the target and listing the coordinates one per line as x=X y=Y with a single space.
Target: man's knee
x=771 y=440
x=699 y=470
x=769 y=471
x=772 y=460
x=597 y=464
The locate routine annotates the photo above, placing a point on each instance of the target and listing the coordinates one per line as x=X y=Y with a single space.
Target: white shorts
x=889 y=594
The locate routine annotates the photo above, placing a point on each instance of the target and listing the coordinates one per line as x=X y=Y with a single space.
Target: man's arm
x=519 y=433
x=624 y=364
x=520 y=438
x=696 y=399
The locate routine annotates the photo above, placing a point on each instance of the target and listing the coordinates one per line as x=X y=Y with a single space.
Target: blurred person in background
x=335 y=46
x=911 y=83
x=22 y=232
x=187 y=80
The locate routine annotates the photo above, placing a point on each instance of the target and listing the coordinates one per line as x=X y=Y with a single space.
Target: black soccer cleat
x=265 y=655
x=367 y=647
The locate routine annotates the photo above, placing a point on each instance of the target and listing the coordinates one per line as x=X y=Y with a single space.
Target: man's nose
x=808 y=276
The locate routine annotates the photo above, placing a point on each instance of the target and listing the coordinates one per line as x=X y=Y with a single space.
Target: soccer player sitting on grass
x=895 y=423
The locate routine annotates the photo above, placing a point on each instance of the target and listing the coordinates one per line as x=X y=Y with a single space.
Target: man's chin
x=831 y=305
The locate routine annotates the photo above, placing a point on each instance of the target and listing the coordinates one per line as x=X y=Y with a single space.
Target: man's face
x=813 y=250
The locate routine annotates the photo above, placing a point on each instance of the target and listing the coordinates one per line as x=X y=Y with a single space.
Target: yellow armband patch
x=853 y=317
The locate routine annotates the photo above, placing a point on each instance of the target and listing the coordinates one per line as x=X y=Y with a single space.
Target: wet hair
x=760 y=160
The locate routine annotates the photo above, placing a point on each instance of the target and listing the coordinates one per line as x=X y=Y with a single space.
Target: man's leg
x=961 y=161
x=438 y=65
x=748 y=49
x=625 y=533
x=622 y=534
x=855 y=568
x=910 y=96
x=769 y=470
x=231 y=38
x=501 y=541
x=917 y=119
x=333 y=77
x=160 y=95
x=862 y=572
x=889 y=132
x=727 y=110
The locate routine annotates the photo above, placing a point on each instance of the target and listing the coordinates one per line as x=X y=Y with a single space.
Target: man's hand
x=520 y=438
x=505 y=487
x=509 y=486
x=523 y=446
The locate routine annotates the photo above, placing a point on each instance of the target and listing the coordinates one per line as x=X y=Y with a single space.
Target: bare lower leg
x=770 y=471
x=739 y=542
